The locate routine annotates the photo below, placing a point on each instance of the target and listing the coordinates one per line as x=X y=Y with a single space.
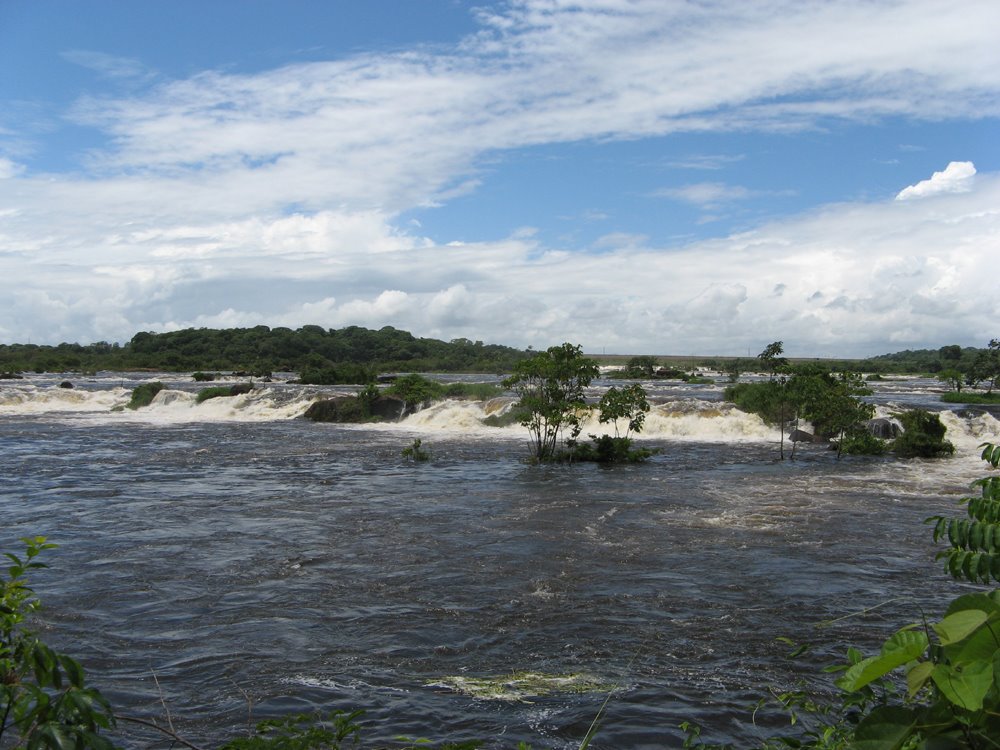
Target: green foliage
x=768 y=400
x=975 y=542
x=474 y=391
x=222 y=391
x=550 y=387
x=923 y=436
x=951 y=667
x=367 y=397
x=832 y=403
x=967 y=397
x=301 y=732
x=514 y=415
x=771 y=359
x=415 y=390
x=627 y=404
x=260 y=350
x=605 y=449
x=415 y=452
x=340 y=409
x=954 y=378
x=204 y=377
x=346 y=374
x=44 y=699
x=860 y=442
x=144 y=394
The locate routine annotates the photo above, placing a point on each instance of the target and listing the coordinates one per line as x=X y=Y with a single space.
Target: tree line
x=262 y=350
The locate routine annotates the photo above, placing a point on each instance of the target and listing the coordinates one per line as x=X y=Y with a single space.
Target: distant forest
x=262 y=350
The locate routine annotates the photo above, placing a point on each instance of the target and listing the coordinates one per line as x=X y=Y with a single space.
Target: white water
x=102 y=400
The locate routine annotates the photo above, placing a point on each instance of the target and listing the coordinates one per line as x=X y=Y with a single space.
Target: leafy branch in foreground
x=951 y=666
x=44 y=699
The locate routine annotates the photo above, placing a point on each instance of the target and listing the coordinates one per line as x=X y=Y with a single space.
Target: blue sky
x=637 y=176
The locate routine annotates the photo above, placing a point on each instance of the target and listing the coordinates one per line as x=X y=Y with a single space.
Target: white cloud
x=956 y=178
x=9 y=168
x=706 y=194
x=273 y=198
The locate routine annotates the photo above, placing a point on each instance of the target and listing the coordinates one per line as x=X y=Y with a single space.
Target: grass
x=970 y=398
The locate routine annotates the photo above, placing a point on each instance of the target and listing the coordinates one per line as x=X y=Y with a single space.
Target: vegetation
x=952 y=667
x=415 y=452
x=44 y=699
x=832 y=403
x=222 y=391
x=967 y=397
x=922 y=437
x=627 y=405
x=144 y=394
x=550 y=387
x=262 y=350
x=345 y=374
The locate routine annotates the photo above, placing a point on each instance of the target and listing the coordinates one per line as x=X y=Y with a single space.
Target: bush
x=203 y=377
x=863 y=443
x=923 y=436
x=608 y=450
x=474 y=391
x=223 y=391
x=144 y=394
x=44 y=699
x=346 y=374
x=416 y=390
x=340 y=409
x=415 y=452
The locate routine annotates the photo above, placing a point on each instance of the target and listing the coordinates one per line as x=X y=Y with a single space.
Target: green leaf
x=964 y=685
x=903 y=647
x=957 y=626
x=885 y=728
x=917 y=677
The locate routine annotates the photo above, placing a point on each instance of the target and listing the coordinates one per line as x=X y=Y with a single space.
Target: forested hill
x=264 y=350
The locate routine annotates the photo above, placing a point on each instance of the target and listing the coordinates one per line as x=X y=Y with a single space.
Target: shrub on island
x=223 y=391
x=923 y=436
x=144 y=394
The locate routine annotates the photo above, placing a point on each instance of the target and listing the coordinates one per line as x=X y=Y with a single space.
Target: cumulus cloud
x=275 y=197
x=956 y=178
x=850 y=279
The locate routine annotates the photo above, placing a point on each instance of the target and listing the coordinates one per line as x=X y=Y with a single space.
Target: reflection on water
x=292 y=566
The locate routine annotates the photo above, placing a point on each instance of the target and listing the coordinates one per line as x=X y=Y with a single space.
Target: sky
x=636 y=176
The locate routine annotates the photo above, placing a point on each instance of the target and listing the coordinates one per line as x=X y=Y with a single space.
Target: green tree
x=550 y=387
x=952 y=377
x=643 y=366
x=628 y=403
x=771 y=359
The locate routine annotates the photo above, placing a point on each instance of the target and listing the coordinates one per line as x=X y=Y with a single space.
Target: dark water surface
x=292 y=566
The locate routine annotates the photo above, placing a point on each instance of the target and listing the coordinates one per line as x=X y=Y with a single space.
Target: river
x=229 y=561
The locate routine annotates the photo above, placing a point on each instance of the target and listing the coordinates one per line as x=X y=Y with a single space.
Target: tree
x=550 y=387
x=771 y=359
x=952 y=353
x=628 y=403
x=641 y=366
x=952 y=377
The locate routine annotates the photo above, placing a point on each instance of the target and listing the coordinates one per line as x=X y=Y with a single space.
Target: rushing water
x=227 y=560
